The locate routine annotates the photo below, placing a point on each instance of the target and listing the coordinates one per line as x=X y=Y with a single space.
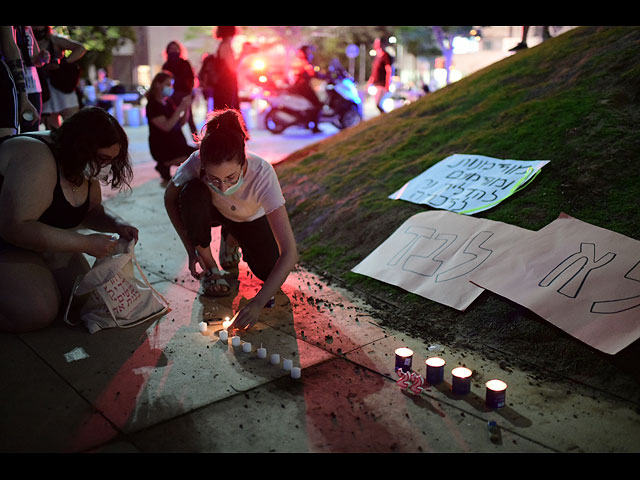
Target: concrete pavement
x=164 y=386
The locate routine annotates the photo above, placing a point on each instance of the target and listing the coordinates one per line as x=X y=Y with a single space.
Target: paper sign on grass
x=469 y=184
x=433 y=253
x=583 y=279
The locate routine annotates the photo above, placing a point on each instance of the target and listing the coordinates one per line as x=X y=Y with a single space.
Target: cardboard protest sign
x=433 y=253
x=469 y=184
x=581 y=278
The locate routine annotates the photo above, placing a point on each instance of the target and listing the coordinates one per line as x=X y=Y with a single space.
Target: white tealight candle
x=262 y=352
x=287 y=364
x=202 y=326
x=275 y=359
x=246 y=347
x=295 y=372
x=224 y=336
x=235 y=341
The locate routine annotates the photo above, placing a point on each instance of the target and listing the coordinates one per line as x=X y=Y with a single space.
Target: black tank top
x=61 y=213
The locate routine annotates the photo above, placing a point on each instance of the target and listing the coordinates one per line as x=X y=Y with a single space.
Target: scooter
x=341 y=106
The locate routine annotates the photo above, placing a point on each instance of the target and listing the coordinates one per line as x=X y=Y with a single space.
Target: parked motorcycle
x=341 y=106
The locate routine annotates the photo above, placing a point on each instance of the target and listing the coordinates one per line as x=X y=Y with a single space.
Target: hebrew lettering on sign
x=583 y=279
x=469 y=184
x=433 y=253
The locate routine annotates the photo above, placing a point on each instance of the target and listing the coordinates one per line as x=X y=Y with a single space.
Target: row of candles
x=261 y=352
x=496 y=390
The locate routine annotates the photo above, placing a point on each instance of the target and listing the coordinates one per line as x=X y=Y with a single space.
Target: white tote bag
x=117 y=297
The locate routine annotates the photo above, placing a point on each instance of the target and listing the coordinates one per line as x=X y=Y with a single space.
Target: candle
x=225 y=325
x=246 y=347
x=202 y=326
x=295 y=372
x=224 y=336
x=496 y=393
x=404 y=357
x=262 y=352
x=435 y=370
x=461 y=383
x=287 y=364
x=235 y=341
x=275 y=358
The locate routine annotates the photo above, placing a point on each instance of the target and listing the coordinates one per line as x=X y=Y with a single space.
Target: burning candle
x=461 y=383
x=404 y=357
x=224 y=336
x=435 y=370
x=295 y=372
x=235 y=341
x=496 y=393
x=202 y=326
x=246 y=347
x=275 y=359
x=262 y=352
x=287 y=364
x=227 y=322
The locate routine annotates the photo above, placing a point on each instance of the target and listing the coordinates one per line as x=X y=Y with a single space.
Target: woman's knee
x=36 y=313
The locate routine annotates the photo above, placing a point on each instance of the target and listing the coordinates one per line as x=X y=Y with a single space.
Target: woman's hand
x=194 y=261
x=127 y=232
x=248 y=316
x=99 y=245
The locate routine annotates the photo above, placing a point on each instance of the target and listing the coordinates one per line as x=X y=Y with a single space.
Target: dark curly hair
x=78 y=140
x=223 y=137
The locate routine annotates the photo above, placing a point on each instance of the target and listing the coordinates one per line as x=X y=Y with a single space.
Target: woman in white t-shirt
x=222 y=185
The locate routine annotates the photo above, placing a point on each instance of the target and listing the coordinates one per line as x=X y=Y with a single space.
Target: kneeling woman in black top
x=50 y=184
x=167 y=143
x=223 y=185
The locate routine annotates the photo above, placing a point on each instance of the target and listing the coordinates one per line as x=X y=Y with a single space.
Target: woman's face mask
x=216 y=184
x=167 y=91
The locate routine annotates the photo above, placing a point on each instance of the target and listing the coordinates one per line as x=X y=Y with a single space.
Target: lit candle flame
x=435 y=362
x=226 y=323
x=404 y=352
x=496 y=385
x=461 y=372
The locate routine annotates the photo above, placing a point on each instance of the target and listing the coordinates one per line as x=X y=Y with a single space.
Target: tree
x=429 y=41
x=100 y=42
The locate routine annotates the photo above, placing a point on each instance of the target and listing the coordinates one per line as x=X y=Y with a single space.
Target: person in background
x=14 y=100
x=222 y=185
x=167 y=143
x=61 y=103
x=184 y=78
x=32 y=58
x=225 y=90
x=303 y=71
x=381 y=72
x=525 y=32
x=49 y=185
x=103 y=85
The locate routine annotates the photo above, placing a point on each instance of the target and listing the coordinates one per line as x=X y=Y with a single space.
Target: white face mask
x=102 y=174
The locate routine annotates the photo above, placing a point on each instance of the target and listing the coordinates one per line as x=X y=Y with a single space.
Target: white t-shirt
x=260 y=194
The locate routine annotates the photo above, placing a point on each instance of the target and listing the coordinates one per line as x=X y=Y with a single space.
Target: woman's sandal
x=229 y=257
x=214 y=287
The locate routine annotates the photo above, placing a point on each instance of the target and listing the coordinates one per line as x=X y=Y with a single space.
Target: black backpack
x=211 y=70
x=66 y=77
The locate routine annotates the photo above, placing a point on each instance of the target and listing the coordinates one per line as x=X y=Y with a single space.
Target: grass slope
x=573 y=100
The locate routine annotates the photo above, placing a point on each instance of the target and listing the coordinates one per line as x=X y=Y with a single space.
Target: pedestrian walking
x=223 y=185
x=49 y=185
x=167 y=143
x=381 y=72
x=525 y=33
x=62 y=75
x=184 y=78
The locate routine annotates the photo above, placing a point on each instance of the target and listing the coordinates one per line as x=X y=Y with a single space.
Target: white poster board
x=433 y=254
x=469 y=184
x=581 y=278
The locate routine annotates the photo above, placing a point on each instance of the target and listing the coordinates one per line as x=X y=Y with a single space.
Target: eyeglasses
x=229 y=181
